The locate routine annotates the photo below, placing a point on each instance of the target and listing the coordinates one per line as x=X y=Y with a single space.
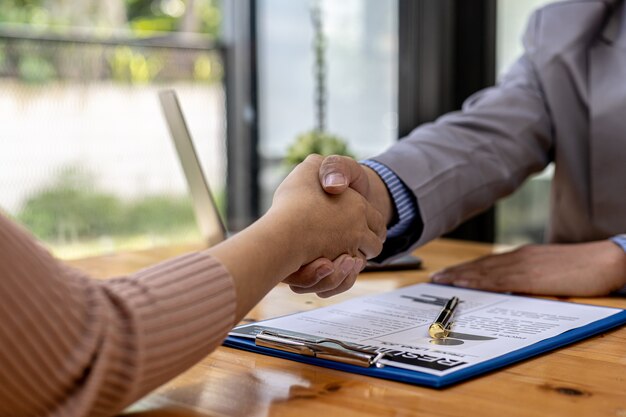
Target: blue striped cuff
x=401 y=195
x=620 y=240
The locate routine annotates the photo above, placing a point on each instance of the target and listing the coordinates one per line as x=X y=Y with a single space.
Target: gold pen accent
x=441 y=326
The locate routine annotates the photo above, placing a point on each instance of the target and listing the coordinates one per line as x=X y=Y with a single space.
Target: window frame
x=446 y=52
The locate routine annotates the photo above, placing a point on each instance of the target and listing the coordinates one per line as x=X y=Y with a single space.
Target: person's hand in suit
x=327 y=225
x=584 y=269
x=338 y=174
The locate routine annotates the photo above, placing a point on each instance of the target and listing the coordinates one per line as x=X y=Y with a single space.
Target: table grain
x=587 y=378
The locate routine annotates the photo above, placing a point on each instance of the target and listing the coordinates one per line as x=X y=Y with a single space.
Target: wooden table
x=584 y=379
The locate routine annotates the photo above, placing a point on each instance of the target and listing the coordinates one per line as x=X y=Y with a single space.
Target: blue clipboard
x=434 y=381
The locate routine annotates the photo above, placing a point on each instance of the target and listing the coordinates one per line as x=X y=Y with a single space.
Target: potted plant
x=317 y=140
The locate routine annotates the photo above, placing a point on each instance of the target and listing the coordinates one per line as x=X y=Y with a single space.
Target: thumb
x=337 y=173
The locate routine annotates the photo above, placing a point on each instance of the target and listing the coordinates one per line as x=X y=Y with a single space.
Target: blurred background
x=86 y=161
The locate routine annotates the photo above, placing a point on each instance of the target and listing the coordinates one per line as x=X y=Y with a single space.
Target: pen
x=441 y=326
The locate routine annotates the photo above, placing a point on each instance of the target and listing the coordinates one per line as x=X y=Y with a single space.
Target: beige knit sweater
x=74 y=346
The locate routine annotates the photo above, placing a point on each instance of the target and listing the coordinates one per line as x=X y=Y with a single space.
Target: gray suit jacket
x=564 y=100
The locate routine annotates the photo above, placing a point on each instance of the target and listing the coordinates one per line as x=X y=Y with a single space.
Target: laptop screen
x=207 y=216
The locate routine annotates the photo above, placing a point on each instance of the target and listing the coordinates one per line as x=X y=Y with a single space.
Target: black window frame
x=446 y=52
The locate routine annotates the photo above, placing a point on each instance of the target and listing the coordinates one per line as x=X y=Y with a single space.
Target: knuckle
x=334 y=163
x=328 y=283
x=335 y=281
x=377 y=219
x=314 y=158
x=333 y=159
x=378 y=248
x=382 y=224
x=347 y=284
x=297 y=290
x=362 y=204
x=307 y=280
x=304 y=278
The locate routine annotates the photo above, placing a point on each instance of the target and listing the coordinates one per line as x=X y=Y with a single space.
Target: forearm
x=260 y=257
x=462 y=163
x=74 y=346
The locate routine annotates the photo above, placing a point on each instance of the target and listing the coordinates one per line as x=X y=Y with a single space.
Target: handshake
x=337 y=212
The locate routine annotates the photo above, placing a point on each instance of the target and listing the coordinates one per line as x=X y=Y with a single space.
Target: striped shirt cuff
x=620 y=240
x=401 y=195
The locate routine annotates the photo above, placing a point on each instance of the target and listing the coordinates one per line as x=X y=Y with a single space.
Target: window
x=359 y=74
x=86 y=161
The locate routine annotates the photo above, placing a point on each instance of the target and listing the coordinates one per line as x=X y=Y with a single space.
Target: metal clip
x=345 y=353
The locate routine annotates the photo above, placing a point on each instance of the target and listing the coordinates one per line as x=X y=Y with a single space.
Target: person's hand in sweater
x=305 y=223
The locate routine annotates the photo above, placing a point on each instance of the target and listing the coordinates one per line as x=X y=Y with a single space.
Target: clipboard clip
x=341 y=352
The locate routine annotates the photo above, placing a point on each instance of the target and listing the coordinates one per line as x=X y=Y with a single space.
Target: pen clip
x=344 y=353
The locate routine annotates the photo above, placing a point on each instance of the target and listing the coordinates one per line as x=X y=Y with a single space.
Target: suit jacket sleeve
x=463 y=162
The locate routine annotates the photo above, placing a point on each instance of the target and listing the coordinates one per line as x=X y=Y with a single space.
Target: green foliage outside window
x=135 y=67
x=72 y=207
x=36 y=65
x=25 y=12
x=316 y=142
x=2 y=58
x=72 y=210
x=157 y=214
x=172 y=15
x=207 y=69
x=141 y=15
x=36 y=69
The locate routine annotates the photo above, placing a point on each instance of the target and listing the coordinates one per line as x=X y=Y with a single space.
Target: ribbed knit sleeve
x=74 y=346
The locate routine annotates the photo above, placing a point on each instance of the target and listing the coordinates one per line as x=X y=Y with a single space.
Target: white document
x=485 y=325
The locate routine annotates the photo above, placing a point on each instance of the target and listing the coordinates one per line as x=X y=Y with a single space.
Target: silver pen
x=440 y=328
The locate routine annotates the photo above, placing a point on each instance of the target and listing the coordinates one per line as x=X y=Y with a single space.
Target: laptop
x=207 y=216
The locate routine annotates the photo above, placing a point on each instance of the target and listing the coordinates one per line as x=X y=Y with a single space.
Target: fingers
x=489 y=273
x=371 y=242
x=371 y=245
x=314 y=159
x=507 y=272
x=312 y=273
x=347 y=282
x=344 y=286
x=337 y=173
x=542 y=269
x=346 y=268
x=376 y=222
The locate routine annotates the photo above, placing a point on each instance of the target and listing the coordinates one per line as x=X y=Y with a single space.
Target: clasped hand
x=344 y=227
x=334 y=178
